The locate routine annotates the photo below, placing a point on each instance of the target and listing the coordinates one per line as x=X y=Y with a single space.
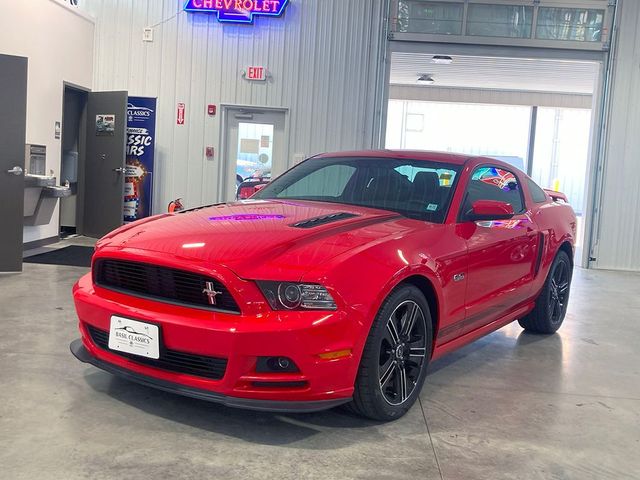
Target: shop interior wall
x=322 y=58
x=618 y=230
x=58 y=42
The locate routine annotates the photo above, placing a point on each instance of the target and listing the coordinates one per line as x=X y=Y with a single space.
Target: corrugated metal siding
x=619 y=228
x=323 y=56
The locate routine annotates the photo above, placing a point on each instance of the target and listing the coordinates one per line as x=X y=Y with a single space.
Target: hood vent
x=314 y=222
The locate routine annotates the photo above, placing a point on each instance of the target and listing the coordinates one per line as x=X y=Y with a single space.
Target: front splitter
x=81 y=353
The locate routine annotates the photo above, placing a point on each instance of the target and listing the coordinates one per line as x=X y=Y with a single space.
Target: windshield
x=414 y=188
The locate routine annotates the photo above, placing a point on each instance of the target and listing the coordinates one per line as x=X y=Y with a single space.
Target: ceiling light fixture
x=426 y=78
x=442 y=59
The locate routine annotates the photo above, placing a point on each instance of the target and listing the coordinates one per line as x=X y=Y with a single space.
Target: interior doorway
x=533 y=112
x=254 y=147
x=73 y=149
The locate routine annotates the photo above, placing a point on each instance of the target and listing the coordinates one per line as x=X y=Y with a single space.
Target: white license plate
x=131 y=336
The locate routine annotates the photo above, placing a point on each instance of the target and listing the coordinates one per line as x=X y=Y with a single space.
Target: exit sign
x=256 y=73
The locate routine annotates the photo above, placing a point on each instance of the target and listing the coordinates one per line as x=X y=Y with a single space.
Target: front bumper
x=240 y=339
x=82 y=354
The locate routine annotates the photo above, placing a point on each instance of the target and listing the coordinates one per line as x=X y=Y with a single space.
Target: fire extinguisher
x=175 y=205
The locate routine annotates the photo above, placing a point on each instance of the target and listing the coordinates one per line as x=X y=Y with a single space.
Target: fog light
x=283 y=363
x=276 y=365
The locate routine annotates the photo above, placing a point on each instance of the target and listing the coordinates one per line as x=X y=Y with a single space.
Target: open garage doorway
x=535 y=113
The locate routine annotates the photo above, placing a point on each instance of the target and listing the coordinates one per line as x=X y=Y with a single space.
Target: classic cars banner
x=141 y=132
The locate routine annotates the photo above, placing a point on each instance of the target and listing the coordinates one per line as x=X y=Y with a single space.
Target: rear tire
x=395 y=358
x=551 y=305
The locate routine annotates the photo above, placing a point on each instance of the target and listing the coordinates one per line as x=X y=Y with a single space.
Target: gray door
x=13 y=124
x=101 y=194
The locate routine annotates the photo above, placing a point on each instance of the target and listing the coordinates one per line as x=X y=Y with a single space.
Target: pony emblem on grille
x=211 y=293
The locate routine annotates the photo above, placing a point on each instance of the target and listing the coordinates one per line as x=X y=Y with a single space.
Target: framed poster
x=105 y=125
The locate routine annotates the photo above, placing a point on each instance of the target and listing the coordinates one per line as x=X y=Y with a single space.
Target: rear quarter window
x=537 y=194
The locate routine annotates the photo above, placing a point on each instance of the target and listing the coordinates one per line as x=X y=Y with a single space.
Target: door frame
x=224 y=148
x=599 y=101
x=82 y=153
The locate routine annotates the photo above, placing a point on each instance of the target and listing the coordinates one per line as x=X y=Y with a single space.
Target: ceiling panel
x=496 y=73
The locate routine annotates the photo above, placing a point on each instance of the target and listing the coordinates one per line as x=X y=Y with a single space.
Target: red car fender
x=546 y=218
x=383 y=281
x=405 y=274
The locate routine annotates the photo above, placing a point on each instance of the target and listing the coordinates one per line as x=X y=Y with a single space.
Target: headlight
x=297 y=296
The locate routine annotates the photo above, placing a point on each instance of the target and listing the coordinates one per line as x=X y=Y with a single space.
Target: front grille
x=162 y=284
x=171 y=360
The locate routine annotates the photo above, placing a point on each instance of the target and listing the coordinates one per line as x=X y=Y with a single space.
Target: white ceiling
x=496 y=73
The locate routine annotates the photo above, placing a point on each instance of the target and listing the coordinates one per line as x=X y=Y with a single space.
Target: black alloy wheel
x=551 y=305
x=395 y=357
x=402 y=353
x=559 y=292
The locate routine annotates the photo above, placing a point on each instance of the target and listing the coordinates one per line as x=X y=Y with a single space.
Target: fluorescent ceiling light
x=426 y=78
x=442 y=59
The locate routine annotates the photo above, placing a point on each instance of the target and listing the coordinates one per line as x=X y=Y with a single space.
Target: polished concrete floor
x=510 y=406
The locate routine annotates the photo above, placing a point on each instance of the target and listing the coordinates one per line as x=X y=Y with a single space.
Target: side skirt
x=469 y=337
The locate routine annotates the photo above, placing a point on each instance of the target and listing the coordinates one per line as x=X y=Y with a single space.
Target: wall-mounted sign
x=256 y=73
x=105 y=125
x=181 y=112
x=141 y=132
x=237 y=11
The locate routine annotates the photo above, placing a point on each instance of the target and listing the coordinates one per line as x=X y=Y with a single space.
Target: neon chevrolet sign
x=237 y=11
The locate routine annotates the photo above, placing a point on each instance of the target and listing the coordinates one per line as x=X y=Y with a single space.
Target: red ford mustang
x=336 y=283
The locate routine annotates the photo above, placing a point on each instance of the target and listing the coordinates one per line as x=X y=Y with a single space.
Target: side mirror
x=490 y=210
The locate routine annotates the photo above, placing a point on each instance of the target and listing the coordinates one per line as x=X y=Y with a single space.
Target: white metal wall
x=618 y=232
x=323 y=56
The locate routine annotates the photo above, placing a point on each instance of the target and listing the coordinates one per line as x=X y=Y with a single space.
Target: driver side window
x=493 y=183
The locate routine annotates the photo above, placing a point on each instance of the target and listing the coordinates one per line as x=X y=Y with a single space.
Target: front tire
x=551 y=305
x=395 y=358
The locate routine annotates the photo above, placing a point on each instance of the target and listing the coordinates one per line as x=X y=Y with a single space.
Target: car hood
x=260 y=239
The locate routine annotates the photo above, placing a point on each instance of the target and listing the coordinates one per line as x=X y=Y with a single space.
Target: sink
x=56 y=192
x=40 y=198
x=35 y=181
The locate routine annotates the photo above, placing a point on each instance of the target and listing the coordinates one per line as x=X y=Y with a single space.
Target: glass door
x=254 y=149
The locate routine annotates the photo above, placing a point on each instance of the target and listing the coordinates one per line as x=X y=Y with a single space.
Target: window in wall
x=561 y=152
x=419 y=16
x=577 y=24
x=499 y=20
x=497 y=131
x=415 y=122
x=255 y=150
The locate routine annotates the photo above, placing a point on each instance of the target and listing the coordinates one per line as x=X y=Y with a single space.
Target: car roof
x=442 y=157
x=426 y=155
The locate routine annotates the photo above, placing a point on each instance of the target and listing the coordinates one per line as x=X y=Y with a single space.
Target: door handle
x=15 y=171
x=119 y=170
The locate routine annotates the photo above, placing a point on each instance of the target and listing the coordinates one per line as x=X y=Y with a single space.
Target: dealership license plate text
x=132 y=336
